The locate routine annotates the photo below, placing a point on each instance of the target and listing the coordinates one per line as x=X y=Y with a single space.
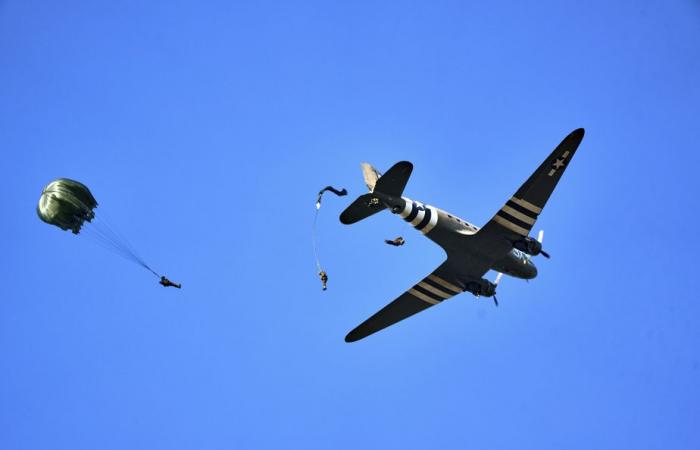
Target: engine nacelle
x=481 y=288
x=528 y=245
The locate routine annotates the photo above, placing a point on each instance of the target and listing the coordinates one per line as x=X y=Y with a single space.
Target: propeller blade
x=498 y=278
x=495 y=283
x=540 y=237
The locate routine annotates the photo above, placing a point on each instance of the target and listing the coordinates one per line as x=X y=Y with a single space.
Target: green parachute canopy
x=67 y=204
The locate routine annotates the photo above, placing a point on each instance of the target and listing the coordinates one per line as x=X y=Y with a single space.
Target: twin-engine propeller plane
x=503 y=244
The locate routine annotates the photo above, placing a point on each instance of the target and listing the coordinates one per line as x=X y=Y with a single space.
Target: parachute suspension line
x=127 y=248
x=92 y=231
x=107 y=233
x=107 y=219
x=99 y=231
x=124 y=242
x=101 y=241
x=104 y=234
x=106 y=241
x=313 y=239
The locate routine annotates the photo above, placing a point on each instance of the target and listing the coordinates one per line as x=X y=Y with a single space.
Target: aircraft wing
x=437 y=287
x=517 y=217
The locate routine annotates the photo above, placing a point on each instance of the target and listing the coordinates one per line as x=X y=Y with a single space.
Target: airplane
x=503 y=244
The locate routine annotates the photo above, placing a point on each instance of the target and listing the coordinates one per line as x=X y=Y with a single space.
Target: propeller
x=540 y=236
x=495 y=283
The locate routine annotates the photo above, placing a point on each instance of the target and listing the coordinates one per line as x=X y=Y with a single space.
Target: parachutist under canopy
x=69 y=205
x=165 y=282
x=399 y=241
x=324 y=278
x=321 y=273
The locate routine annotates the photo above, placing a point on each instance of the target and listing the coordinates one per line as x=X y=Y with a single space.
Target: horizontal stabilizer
x=363 y=207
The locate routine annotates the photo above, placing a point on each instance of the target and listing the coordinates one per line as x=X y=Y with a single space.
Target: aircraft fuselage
x=448 y=231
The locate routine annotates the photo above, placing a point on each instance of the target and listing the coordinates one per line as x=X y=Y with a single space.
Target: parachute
x=337 y=192
x=69 y=205
x=322 y=273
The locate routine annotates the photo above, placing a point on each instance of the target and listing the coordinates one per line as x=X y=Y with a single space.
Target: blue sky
x=205 y=130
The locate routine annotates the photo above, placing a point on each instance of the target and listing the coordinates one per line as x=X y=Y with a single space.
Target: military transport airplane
x=502 y=244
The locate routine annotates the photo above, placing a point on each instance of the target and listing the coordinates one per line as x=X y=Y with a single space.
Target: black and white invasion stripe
x=422 y=217
x=518 y=215
x=434 y=290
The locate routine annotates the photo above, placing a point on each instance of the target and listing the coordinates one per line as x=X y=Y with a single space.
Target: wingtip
x=353 y=336
x=575 y=137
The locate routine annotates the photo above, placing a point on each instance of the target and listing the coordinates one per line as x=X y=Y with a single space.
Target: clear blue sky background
x=205 y=129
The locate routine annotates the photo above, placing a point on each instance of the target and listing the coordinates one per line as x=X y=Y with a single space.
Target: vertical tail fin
x=371 y=175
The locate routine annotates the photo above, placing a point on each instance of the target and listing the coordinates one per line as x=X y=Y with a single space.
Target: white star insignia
x=558 y=164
